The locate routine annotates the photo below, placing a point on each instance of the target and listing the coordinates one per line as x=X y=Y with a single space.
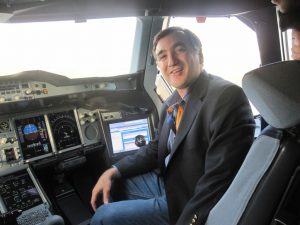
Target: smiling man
x=195 y=155
x=178 y=67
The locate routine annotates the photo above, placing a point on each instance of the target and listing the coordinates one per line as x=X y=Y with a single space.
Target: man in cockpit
x=195 y=158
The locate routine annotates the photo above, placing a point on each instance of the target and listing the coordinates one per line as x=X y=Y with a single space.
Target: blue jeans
x=145 y=204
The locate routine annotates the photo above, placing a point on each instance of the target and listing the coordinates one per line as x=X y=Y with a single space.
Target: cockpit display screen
x=17 y=191
x=64 y=129
x=125 y=134
x=33 y=137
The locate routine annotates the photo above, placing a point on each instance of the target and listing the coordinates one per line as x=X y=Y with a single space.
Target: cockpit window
x=95 y=48
x=230 y=47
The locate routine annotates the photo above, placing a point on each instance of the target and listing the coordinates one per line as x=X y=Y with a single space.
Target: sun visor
x=274 y=90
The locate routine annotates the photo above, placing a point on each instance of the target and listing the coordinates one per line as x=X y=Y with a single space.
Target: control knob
x=11 y=140
x=17 y=97
x=3 y=141
x=28 y=91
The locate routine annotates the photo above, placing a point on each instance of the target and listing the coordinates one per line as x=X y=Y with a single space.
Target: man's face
x=179 y=63
x=296 y=44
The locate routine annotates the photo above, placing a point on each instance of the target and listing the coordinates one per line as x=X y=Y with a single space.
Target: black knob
x=140 y=140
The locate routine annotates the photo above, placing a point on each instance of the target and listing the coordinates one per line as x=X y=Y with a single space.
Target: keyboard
x=34 y=216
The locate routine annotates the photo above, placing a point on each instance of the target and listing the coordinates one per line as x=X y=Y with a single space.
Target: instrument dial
x=4 y=126
x=64 y=129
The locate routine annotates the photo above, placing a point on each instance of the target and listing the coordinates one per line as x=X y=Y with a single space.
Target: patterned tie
x=171 y=118
x=174 y=116
x=178 y=116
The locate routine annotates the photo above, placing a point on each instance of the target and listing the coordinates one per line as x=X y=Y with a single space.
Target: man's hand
x=103 y=186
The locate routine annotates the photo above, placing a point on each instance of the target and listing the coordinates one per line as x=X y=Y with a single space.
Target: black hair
x=194 y=40
x=290 y=19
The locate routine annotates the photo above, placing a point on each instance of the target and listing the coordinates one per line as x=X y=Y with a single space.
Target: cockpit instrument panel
x=45 y=134
x=9 y=149
x=33 y=137
x=17 y=191
x=64 y=128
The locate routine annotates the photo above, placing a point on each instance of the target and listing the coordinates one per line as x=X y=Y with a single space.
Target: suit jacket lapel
x=163 y=140
x=191 y=110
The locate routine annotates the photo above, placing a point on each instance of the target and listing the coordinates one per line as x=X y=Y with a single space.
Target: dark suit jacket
x=214 y=136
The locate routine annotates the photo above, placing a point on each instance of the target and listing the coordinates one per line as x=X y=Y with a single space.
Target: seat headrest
x=274 y=90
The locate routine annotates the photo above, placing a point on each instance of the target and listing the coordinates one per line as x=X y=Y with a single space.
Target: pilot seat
x=266 y=190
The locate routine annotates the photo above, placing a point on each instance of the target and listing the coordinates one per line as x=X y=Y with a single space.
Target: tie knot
x=170 y=109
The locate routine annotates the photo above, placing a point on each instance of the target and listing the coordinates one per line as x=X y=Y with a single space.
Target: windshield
x=224 y=49
x=95 y=48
